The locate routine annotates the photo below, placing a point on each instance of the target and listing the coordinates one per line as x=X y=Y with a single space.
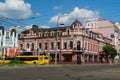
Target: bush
x=15 y=62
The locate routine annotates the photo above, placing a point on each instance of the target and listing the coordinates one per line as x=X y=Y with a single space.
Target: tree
x=110 y=52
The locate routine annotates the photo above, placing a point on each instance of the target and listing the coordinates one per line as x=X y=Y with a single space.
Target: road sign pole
x=39 y=51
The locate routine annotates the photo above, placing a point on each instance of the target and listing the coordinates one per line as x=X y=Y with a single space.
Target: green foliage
x=16 y=62
x=109 y=51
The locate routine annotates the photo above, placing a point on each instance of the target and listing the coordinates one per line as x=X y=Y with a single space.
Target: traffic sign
x=112 y=35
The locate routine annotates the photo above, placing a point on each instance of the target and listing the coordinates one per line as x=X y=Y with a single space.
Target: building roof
x=35 y=28
x=76 y=22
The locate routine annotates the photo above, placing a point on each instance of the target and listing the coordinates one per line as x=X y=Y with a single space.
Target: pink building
x=107 y=28
x=72 y=44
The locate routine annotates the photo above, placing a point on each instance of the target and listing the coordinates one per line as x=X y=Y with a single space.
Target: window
x=1 y=43
x=21 y=46
x=95 y=24
x=52 y=34
x=27 y=45
x=71 y=44
x=65 y=45
x=40 y=34
x=52 y=45
x=32 y=47
x=67 y=57
x=88 y=24
x=58 y=45
x=88 y=46
x=68 y=32
x=59 y=34
x=46 y=45
x=40 y=45
x=78 y=45
x=7 y=34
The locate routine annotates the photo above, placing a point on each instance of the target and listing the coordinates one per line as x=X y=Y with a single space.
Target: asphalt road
x=62 y=72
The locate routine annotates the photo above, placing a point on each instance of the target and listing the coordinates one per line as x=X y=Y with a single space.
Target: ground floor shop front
x=76 y=58
x=8 y=52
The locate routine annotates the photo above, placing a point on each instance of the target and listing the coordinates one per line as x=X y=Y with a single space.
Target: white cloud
x=57 y=7
x=62 y=18
x=44 y=26
x=38 y=14
x=18 y=28
x=81 y=14
x=28 y=27
x=15 y=9
x=40 y=26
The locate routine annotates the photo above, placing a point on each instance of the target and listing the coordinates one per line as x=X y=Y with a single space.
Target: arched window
x=65 y=45
x=28 y=45
x=46 y=45
x=78 y=45
x=32 y=47
x=21 y=46
x=68 y=32
x=52 y=34
x=40 y=45
x=71 y=44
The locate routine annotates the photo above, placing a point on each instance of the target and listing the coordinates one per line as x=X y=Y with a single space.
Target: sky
x=49 y=13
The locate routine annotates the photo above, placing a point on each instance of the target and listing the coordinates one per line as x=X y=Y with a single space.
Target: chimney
x=1 y=28
x=61 y=25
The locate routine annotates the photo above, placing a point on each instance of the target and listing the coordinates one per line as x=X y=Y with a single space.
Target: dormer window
x=76 y=24
x=68 y=32
x=52 y=34
x=88 y=24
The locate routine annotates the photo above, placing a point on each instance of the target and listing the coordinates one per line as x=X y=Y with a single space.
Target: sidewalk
x=86 y=64
x=58 y=65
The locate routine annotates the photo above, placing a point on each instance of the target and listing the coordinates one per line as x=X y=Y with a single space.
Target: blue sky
x=45 y=12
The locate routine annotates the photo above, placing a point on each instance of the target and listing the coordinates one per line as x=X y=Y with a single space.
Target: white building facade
x=8 y=42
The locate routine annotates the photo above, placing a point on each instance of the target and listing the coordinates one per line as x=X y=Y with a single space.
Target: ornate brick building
x=75 y=43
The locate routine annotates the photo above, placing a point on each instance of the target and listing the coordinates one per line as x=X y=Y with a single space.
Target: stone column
x=87 y=58
x=93 y=58
x=98 y=60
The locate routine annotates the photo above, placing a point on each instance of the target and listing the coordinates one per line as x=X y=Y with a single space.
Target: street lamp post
x=48 y=50
x=57 y=37
x=39 y=51
x=57 y=40
x=83 y=47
